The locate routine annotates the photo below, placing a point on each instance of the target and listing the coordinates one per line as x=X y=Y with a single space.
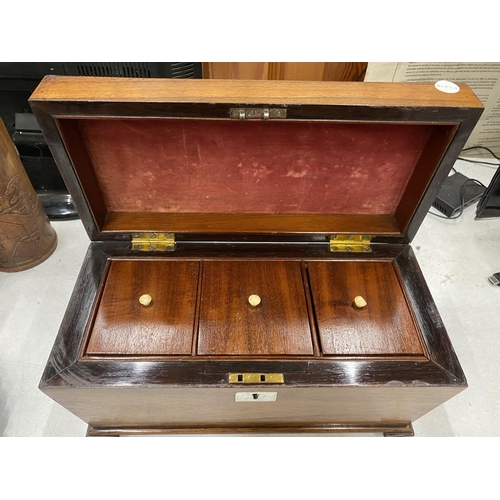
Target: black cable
x=485 y=148
x=478 y=161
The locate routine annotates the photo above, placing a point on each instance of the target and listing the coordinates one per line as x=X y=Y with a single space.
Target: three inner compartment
x=201 y=308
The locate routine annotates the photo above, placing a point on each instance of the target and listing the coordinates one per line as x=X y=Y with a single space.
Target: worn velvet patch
x=272 y=167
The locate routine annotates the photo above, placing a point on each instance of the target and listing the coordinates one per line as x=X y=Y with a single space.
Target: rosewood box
x=250 y=267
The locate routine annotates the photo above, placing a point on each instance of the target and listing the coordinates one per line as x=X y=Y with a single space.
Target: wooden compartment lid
x=206 y=158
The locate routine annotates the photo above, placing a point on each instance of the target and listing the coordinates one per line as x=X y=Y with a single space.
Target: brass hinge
x=153 y=242
x=357 y=243
x=257 y=113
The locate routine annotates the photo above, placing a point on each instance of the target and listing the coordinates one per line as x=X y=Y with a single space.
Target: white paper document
x=482 y=78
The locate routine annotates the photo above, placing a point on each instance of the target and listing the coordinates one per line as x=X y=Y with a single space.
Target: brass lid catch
x=256 y=378
x=257 y=113
x=153 y=242
x=357 y=243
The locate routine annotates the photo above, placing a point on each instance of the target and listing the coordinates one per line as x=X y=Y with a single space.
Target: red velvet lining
x=226 y=166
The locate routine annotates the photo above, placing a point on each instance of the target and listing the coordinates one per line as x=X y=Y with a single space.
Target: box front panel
x=163 y=407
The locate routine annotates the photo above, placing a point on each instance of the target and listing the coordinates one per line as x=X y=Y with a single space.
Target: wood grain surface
x=317 y=71
x=230 y=325
x=123 y=326
x=251 y=223
x=388 y=363
x=59 y=100
x=150 y=406
x=388 y=429
x=384 y=326
x=162 y=90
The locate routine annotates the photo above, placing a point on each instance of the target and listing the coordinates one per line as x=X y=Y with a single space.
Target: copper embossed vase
x=26 y=236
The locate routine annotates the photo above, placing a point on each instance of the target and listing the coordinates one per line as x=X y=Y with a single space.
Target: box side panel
x=426 y=314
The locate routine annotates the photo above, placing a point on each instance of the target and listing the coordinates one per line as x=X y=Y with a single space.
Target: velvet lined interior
x=268 y=167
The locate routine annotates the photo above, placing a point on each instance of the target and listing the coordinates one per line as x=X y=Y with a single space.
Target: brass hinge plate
x=257 y=113
x=153 y=242
x=256 y=378
x=357 y=243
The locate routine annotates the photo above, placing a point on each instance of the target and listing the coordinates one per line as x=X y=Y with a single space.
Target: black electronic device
x=489 y=205
x=457 y=193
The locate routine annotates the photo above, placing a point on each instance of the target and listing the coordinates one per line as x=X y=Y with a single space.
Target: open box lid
x=240 y=160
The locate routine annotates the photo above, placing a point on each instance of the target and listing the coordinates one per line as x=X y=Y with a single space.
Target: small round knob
x=359 y=302
x=254 y=300
x=145 y=300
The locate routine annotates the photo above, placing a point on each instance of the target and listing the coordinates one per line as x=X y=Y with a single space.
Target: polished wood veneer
x=383 y=327
x=229 y=325
x=124 y=326
x=166 y=368
x=62 y=104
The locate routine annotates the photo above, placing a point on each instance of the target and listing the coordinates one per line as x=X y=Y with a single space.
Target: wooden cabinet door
x=312 y=71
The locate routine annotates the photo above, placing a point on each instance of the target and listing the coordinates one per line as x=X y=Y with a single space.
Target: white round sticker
x=448 y=87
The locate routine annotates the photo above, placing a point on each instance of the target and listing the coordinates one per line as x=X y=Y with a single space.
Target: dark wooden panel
x=201 y=371
x=81 y=165
x=422 y=176
x=384 y=326
x=54 y=140
x=69 y=340
x=445 y=165
x=230 y=325
x=389 y=429
x=242 y=248
x=427 y=316
x=124 y=326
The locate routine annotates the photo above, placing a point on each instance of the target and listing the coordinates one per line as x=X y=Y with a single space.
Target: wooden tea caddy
x=198 y=194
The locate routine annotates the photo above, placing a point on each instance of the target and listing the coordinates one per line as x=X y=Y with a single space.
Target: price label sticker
x=448 y=87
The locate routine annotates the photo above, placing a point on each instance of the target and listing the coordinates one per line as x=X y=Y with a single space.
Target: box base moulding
x=389 y=430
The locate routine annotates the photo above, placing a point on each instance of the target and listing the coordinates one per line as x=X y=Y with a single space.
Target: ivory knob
x=254 y=300
x=359 y=302
x=145 y=300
